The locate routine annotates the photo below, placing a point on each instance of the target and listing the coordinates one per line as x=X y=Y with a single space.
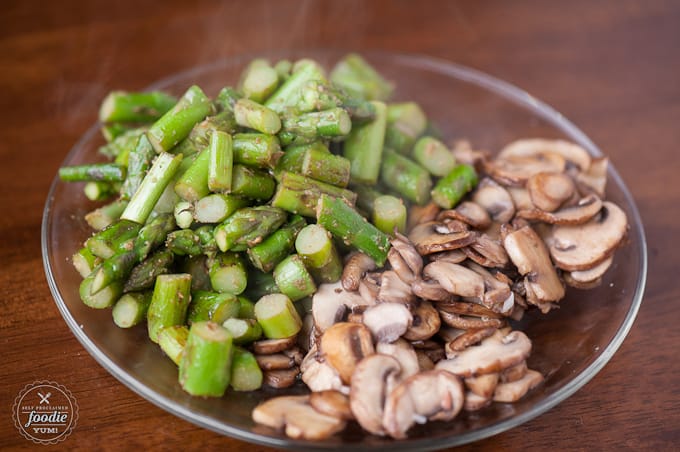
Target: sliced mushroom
x=320 y=376
x=531 y=146
x=467 y=339
x=530 y=255
x=474 y=402
x=330 y=304
x=369 y=287
x=425 y=324
x=584 y=246
x=592 y=274
x=331 y=403
x=372 y=381
x=497 y=294
x=548 y=191
x=387 y=321
x=282 y=378
x=520 y=196
x=584 y=285
x=427 y=240
x=513 y=373
x=495 y=199
x=493 y=354
x=463 y=152
x=424 y=361
x=487 y=252
x=467 y=308
x=394 y=290
x=271 y=346
x=344 y=345
x=455 y=278
x=295 y=354
x=277 y=361
x=355 y=268
x=422 y=214
x=296 y=415
x=482 y=385
x=468 y=212
x=430 y=290
x=585 y=209
x=403 y=352
x=453 y=256
x=469 y=323
x=513 y=391
x=515 y=170
x=433 y=395
x=595 y=179
x=408 y=253
x=306 y=336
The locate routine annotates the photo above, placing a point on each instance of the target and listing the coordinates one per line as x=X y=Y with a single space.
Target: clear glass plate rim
x=457 y=71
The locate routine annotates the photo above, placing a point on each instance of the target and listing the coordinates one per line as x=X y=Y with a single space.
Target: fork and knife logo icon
x=44 y=398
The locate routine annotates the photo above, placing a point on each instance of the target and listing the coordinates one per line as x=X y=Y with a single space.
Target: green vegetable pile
x=251 y=196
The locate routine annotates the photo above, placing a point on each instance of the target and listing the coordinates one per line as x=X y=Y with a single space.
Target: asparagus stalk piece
x=406 y=177
x=153 y=234
x=99 y=191
x=277 y=316
x=434 y=156
x=283 y=69
x=348 y=225
x=405 y=123
x=252 y=183
x=131 y=309
x=122 y=143
x=152 y=187
x=366 y=196
x=105 y=215
x=113 y=130
x=205 y=368
x=246 y=308
x=122 y=106
x=228 y=273
x=104 y=298
x=451 y=188
x=288 y=94
x=315 y=247
x=139 y=162
x=256 y=150
x=246 y=374
x=184 y=214
x=299 y=194
x=193 y=184
x=334 y=122
x=115 y=268
x=199 y=137
x=176 y=124
x=244 y=331
x=293 y=279
x=226 y=99
x=364 y=145
x=214 y=306
x=266 y=255
x=259 y=80
x=84 y=262
x=184 y=243
x=216 y=208
x=247 y=227
x=389 y=214
x=260 y=284
x=144 y=274
x=359 y=79
x=255 y=116
x=117 y=237
x=197 y=267
x=171 y=297
x=109 y=172
x=221 y=162
x=326 y=167
x=172 y=340
x=294 y=155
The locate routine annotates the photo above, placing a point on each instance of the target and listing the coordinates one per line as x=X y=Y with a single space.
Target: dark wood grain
x=612 y=67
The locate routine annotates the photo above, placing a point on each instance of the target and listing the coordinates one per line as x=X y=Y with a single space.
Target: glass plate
x=570 y=345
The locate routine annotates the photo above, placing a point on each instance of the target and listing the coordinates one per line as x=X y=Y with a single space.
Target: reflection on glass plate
x=571 y=344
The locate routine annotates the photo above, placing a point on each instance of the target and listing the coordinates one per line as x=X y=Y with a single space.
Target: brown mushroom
x=581 y=247
x=579 y=278
x=467 y=308
x=277 y=361
x=513 y=373
x=530 y=255
x=528 y=147
x=330 y=304
x=394 y=290
x=469 y=323
x=468 y=212
x=403 y=352
x=430 y=290
x=296 y=415
x=331 y=403
x=487 y=252
x=404 y=259
x=495 y=199
x=271 y=346
x=281 y=378
x=515 y=170
x=520 y=196
x=548 y=191
x=428 y=240
x=387 y=321
x=344 y=345
x=319 y=375
x=493 y=354
x=372 y=381
x=422 y=214
x=424 y=361
x=474 y=402
x=355 y=268
x=453 y=256
x=497 y=294
x=429 y=395
x=426 y=322
x=585 y=209
x=467 y=339
x=595 y=179
x=482 y=385
x=513 y=391
x=455 y=278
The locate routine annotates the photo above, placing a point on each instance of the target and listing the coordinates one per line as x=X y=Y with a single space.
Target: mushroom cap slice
x=474 y=402
x=277 y=361
x=548 y=191
x=495 y=199
x=584 y=246
x=394 y=290
x=467 y=339
x=482 y=385
x=424 y=361
x=319 y=375
x=281 y=378
x=468 y=212
x=530 y=255
x=408 y=253
x=428 y=240
x=585 y=209
x=426 y=322
x=515 y=170
x=344 y=345
x=403 y=352
x=493 y=354
x=520 y=196
x=487 y=252
x=430 y=290
x=422 y=214
x=455 y=278
x=470 y=323
x=453 y=256
x=271 y=346
x=513 y=373
x=372 y=381
x=330 y=304
x=592 y=274
x=298 y=417
x=595 y=179
x=332 y=403
x=356 y=266
x=531 y=146
x=433 y=395
x=513 y=391
x=387 y=321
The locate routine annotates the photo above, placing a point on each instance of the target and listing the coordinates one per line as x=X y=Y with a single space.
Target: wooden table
x=611 y=66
